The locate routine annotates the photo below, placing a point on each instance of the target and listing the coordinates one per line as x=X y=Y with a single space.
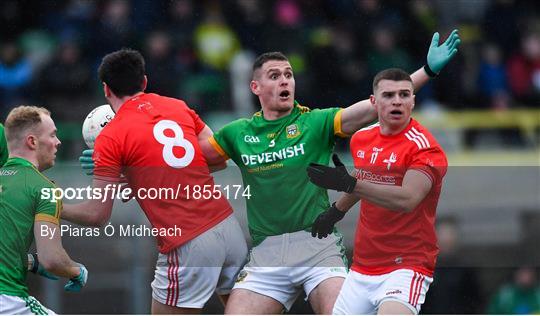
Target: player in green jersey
x=3 y=146
x=272 y=150
x=25 y=216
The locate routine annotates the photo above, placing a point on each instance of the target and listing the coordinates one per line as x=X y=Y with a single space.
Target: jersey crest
x=292 y=131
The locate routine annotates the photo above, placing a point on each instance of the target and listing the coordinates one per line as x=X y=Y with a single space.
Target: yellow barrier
x=527 y=120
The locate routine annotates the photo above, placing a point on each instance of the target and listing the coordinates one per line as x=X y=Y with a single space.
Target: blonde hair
x=22 y=120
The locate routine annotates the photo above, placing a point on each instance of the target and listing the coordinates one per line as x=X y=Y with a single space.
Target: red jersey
x=388 y=240
x=152 y=141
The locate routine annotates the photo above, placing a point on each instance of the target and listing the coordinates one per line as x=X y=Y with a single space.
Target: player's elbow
x=406 y=208
x=217 y=167
x=408 y=204
x=100 y=214
x=99 y=220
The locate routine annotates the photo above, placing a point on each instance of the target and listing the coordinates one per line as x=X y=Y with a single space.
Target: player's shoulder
x=420 y=137
x=315 y=112
x=370 y=129
x=173 y=101
x=34 y=178
x=232 y=129
x=240 y=123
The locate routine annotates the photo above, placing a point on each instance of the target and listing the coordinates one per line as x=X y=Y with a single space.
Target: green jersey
x=273 y=157
x=512 y=299
x=21 y=204
x=3 y=147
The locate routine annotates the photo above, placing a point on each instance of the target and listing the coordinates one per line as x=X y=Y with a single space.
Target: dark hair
x=394 y=74
x=123 y=71
x=263 y=58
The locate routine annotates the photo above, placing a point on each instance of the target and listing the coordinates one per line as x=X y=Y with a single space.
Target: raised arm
x=362 y=113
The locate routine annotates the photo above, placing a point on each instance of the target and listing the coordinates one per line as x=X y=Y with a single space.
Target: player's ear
x=144 y=83
x=413 y=101
x=106 y=90
x=372 y=99
x=31 y=141
x=254 y=86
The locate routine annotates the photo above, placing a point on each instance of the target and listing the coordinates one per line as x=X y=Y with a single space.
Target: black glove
x=324 y=224
x=331 y=178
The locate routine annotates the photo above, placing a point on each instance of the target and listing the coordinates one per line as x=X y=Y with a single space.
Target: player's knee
x=243 y=301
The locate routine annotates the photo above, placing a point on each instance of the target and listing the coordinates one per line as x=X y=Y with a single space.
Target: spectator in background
x=455 y=289
x=13 y=18
x=160 y=64
x=385 y=53
x=524 y=69
x=348 y=76
x=500 y=25
x=522 y=296
x=288 y=29
x=115 y=28
x=207 y=86
x=215 y=41
x=492 y=78
x=181 y=15
x=72 y=20
x=421 y=21
x=249 y=19
x=289 y=33
x=366 y=16
x=66 y=80
x=15 y=76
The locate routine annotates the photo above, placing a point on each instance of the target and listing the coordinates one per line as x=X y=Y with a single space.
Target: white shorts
x=189 y=275
x=284 y=265
x=364 y=294
x=16 y=305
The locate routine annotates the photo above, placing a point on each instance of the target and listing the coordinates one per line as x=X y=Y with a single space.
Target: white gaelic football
x=95 y=121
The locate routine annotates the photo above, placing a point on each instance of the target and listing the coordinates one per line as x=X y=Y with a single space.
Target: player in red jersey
x=399 y=172
x=154 y=142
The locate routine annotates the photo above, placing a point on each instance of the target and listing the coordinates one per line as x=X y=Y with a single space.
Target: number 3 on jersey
x=170 y=142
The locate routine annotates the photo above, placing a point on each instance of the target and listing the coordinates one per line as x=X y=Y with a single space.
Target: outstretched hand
x=87 y=163
x=76 y=283
x=439 y=56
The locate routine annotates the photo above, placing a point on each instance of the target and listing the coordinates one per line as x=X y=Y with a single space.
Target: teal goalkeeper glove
x=36 y=268
x=439 y=56
x=87 y=163
x=75 y=284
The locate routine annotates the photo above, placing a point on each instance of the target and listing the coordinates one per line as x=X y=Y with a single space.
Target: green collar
x=18 y=161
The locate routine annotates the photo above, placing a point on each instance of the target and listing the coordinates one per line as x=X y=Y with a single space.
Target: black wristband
x=35 y=263
x=429 y=72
